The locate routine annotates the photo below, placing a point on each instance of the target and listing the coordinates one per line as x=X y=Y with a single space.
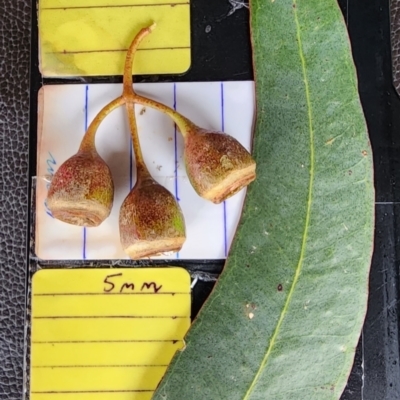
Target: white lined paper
x=63 y=111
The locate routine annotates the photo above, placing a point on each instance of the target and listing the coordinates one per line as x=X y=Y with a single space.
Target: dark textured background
x=395 y=39
x=14 y=117
x=376 y=372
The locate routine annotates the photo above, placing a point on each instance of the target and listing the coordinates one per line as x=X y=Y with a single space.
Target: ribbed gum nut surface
x=151 y=221
x=217 y=165
x=82 y=190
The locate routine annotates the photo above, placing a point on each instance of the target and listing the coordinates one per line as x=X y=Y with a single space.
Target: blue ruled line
x=86 y=126
x=224 y=203
x=176 y=159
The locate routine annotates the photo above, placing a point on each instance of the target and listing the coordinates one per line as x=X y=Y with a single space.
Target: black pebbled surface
x=395 y=39
x=14 y=116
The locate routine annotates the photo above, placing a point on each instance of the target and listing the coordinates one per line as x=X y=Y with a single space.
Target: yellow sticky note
x=90 y=37
x=106 y=333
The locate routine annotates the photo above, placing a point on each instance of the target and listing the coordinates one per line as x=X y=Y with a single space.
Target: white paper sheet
x=64 y=113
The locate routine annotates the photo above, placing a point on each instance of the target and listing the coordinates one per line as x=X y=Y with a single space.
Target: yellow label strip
x=90 y=37
x=106 y=333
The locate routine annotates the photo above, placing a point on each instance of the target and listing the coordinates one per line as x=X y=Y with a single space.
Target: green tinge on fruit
x=82 y=191
x=218 y=166
x=151 y=221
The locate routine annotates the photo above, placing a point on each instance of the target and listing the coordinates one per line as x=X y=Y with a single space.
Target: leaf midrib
x=308 y=212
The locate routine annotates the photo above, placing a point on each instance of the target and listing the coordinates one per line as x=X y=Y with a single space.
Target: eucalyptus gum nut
x=218 y=166
x=151 y=221
x=82 y=191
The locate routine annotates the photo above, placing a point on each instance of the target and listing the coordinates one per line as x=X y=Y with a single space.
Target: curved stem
x=129 y=94
x=129 y=97
x=140 y=164
x=128 y=84
x=184 y=124
x=88 y=143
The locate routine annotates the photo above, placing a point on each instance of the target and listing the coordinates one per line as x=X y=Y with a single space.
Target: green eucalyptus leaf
x=285 y=316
